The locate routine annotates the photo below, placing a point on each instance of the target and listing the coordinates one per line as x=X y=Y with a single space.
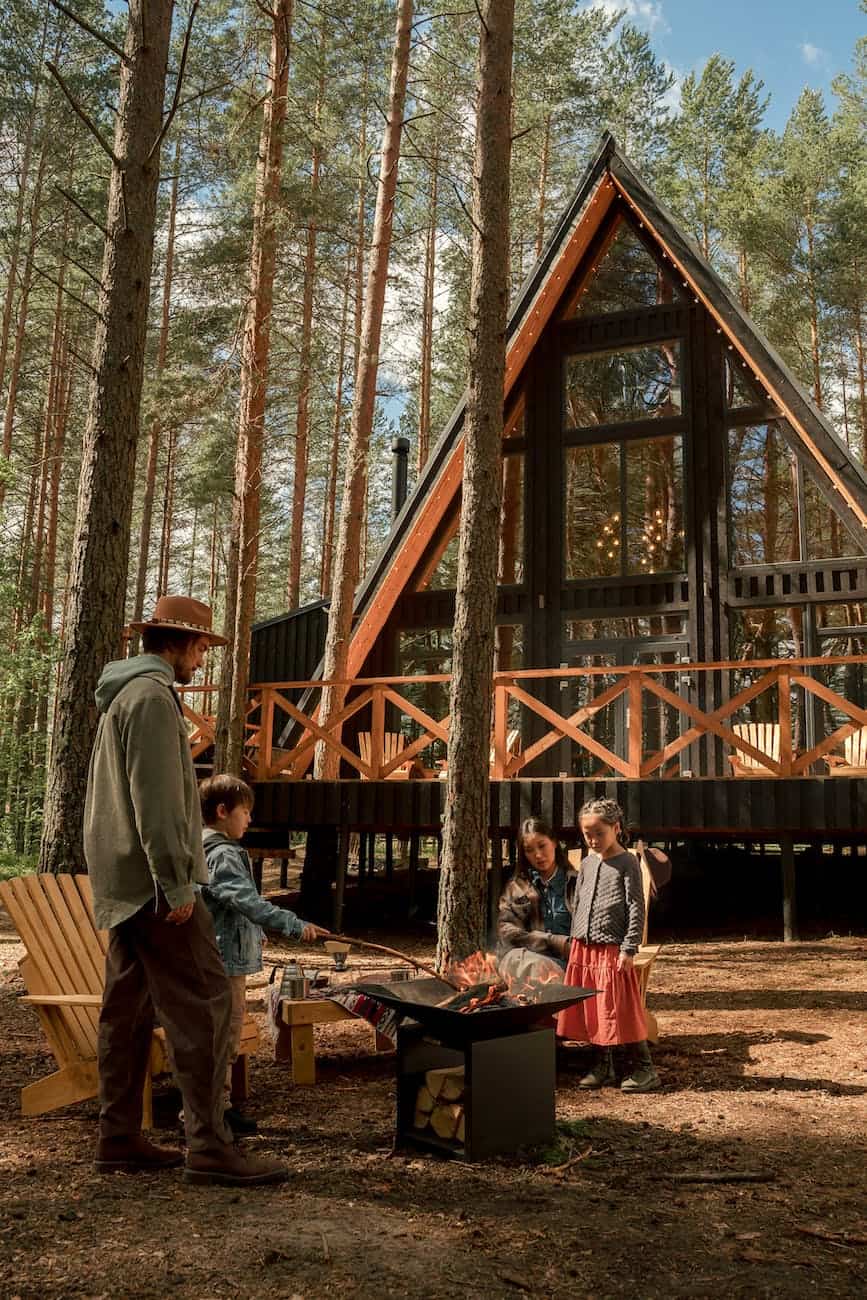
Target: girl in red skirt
x=607 y=924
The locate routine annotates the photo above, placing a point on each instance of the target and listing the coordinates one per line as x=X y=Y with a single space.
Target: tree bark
x=155 y=430
x=334 y=461
x=302 y=418
x=364 y=398
x=427 y=317
x=98 y=573
x=462 y=912
x=244 y=546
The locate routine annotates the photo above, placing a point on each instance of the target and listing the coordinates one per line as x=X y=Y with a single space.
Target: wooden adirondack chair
x=393 y=744
x=513 y=746
x=853 y=760
x=647 y=953
x=764 y=736
x=64 y=974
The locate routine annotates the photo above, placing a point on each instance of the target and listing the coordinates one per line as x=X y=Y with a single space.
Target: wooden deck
x=810 y=808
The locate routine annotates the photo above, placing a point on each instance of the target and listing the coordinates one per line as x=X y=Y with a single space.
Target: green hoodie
x=142 y=820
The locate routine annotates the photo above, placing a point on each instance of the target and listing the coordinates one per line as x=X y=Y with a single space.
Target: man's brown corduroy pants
x=177 y=973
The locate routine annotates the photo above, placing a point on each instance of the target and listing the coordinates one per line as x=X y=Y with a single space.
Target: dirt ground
x=763 y=1055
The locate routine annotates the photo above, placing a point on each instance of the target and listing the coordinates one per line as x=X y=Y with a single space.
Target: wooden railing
x=378 y=705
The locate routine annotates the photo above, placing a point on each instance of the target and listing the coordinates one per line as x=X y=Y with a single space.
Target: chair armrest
x=646 y=955
x=63 y=999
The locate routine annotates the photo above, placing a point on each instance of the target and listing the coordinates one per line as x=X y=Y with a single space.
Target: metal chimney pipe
x=400 y=452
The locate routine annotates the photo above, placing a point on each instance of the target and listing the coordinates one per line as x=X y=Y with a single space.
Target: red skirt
x=615 y=1015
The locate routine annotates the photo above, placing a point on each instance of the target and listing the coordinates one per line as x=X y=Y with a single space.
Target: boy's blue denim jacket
x=238 y=909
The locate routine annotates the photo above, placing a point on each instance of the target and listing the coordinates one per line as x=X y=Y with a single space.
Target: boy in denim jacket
x=238 y=909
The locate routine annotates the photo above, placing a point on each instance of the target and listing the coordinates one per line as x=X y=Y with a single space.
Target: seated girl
x=535 y=916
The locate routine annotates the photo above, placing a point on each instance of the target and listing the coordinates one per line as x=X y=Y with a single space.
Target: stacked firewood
x=440 y=1103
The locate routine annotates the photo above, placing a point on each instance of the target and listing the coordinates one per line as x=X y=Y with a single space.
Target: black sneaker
x=241 y=1125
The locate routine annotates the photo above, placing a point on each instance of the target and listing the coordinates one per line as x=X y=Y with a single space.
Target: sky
x=789 y=44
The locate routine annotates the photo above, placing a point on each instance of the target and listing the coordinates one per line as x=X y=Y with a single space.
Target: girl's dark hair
x=536 y=826
x=226 y=790
x=610 y=812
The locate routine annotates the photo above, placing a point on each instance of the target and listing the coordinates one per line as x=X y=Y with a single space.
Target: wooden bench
x=64 y=974
x=295 y=1037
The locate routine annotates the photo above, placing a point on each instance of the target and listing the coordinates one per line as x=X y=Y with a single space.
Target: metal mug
x=297 y=987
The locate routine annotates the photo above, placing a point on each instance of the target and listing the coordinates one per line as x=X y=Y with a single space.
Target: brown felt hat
x=184 y=614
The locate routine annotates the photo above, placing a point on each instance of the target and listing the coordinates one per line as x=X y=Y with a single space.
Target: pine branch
x=74 y=296
x=178 y=82
x=91 y=31
x=84 y=212
x=80 y=113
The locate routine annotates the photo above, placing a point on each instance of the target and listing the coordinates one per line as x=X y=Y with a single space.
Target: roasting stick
x=393 y=952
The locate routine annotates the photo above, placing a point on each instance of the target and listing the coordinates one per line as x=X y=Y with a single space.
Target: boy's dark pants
x=177 y=972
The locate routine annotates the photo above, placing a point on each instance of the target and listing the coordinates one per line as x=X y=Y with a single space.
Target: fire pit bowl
x=418 y=999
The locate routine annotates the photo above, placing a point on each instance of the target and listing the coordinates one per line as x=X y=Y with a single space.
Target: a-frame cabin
x=676 y=513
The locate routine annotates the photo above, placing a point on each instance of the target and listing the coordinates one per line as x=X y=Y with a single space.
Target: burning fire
x=479 y=975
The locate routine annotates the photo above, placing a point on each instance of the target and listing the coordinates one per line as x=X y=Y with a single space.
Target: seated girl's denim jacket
x=238 y=909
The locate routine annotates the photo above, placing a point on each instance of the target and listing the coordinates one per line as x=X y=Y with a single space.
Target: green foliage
x=573 y=1136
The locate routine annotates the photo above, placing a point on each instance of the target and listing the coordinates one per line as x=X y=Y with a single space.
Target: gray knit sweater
x=610 y=904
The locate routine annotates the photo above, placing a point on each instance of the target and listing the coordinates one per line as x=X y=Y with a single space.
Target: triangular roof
x=608 y=176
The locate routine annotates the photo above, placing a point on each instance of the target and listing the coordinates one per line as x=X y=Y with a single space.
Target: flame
x=478 y=968
x=482 y=968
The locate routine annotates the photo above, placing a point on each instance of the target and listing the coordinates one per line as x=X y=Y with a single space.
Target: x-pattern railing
x=372 y=697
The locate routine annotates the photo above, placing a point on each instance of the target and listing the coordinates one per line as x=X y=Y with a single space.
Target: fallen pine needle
x=841 y=1238
x=723 y=1176
x=567 y=1164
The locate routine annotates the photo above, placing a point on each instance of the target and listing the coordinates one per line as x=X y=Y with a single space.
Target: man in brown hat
x=143 y=844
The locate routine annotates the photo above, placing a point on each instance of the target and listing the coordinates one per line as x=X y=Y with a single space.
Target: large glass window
x=624 y=508
x=762 y=496
x=826 y=537
x=626 y=277
x=630 y=384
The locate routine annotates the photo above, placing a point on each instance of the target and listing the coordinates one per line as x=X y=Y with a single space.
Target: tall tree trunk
x=67 y=372
x=302 y=419
x=155 y=430
x=20 y=205
x=463 y=874
x=97 y=582
x=165 y=559
x=334 y=461
x=244 y=547
x=543 y=187
x=814 y=315
x=364 y=397
x=21 y=325
x=427 y=316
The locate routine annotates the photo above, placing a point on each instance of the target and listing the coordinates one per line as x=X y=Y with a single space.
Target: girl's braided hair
x=609 y=812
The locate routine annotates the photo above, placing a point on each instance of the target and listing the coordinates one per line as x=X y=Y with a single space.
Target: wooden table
x=295 y=1041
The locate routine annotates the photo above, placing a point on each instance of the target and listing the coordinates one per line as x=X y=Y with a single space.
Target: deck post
x=495 y=880
x=414 y=846
x=787 y=864
x=340 y=883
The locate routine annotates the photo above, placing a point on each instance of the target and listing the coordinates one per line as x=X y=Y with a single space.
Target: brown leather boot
x=232 y=1169
x=133 y=1153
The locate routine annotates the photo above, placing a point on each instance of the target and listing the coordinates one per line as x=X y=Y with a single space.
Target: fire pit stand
x=508 y=1090
x=501 y=1060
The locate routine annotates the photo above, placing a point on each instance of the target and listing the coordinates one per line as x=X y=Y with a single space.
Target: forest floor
x=763 y=1056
